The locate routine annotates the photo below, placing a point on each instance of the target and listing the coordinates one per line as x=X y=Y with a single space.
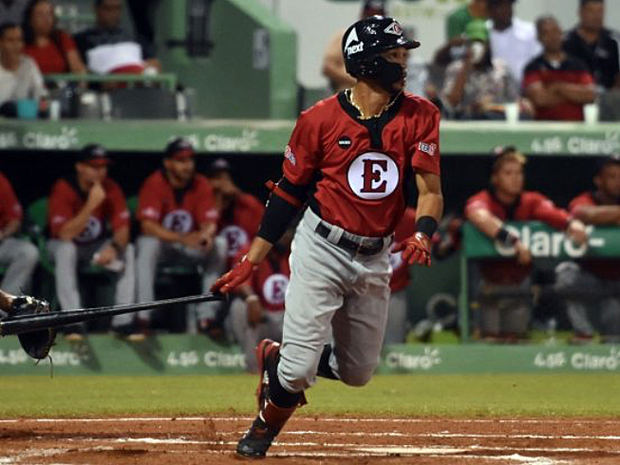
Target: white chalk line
x=541 y=421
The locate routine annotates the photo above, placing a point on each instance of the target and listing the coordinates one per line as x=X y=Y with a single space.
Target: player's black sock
x=277 y=394
x=324 y=369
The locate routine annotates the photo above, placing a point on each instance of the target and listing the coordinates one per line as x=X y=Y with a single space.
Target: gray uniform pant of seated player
x=333 y=292
x=248 y=336
x=397 y=324
x=505 y=309
x=69 y=256
x=588 y=298
x=20 y=257
x=152 y=252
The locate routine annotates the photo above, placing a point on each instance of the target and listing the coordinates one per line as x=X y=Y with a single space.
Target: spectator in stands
x=594 y=284
x=18 y=256
x=89 y=224
x=178 y=219
x=512 y=39
x=333 y=61
x=557 y=84
x=477 y=86
x=12 y=11
x=53 y=49
x=259 y=312
x=458 y=20
x=19 y=76
x=108 y=48
x=594 y=44
x=504 y=293
x=397 y=324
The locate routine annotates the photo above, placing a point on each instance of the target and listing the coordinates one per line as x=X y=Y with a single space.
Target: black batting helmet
x=363 y=42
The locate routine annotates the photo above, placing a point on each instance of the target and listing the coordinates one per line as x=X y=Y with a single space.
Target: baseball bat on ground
x=28 y=323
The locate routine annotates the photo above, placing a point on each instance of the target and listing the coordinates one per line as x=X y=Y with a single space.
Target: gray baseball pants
x=20 y=257
x=153 y=252
x=397 y=323
x=68 y=256
x=332 y=290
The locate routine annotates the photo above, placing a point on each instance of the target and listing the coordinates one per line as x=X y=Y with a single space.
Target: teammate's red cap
x=95 y=155
x=179 y=149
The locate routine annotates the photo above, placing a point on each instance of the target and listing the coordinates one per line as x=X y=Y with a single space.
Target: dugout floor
x=184 y=441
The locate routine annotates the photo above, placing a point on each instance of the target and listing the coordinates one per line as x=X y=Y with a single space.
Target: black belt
x=374 y=247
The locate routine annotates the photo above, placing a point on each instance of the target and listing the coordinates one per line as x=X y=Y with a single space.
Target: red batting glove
x=240 y=273
x=416 y=249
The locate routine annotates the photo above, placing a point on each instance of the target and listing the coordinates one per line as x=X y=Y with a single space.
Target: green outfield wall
x=270 y=137
x=186 y=354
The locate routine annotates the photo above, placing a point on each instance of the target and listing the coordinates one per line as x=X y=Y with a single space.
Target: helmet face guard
x=363 y=43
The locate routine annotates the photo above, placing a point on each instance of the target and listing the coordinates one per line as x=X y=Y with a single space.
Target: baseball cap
x=477 y=30
x=613 y=159
x=179 y=148
x=219 y=165
x=94 y=154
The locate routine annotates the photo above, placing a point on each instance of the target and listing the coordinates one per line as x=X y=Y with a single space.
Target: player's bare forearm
x=152 y=228
x=577 y=93
x=430 y=197
x=258 y=250
x=485 y=221
x=75 y=225
x=11 y=228
x=599 y=214
x=121 y=236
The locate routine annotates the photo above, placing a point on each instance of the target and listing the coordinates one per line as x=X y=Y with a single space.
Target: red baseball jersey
x=404 y=229
x=66 y=201
x=10 y=208
x=362 y=165
x=240 y=223
x=181 y=211
x=270 y=281
x=603 y=268
x=529 y=206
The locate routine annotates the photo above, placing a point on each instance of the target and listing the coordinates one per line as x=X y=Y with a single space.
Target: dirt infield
x=184 y=441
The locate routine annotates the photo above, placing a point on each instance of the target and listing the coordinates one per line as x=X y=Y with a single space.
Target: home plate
x=404 y=450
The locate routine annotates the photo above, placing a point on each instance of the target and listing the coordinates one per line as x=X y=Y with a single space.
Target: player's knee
x=147 y=244
x=296 y=378
x=356 y=376
x=28 y=253
x=67 y=250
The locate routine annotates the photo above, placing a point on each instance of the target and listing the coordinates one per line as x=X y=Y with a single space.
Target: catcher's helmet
x=363 y=42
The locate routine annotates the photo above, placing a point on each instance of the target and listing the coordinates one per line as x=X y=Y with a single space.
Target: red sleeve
x=426 y=150
x=302 y=154
x=545 y=210
x=583 y=200
x=586 y=78
x=60 y=206
x=10 y=208
x=118 y=214
x=149 y=202
x=67 y=42
x=531 y=77
x=477 y=201
x=206 y=212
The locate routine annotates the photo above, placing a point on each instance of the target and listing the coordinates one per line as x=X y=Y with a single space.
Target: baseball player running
x=349 y=158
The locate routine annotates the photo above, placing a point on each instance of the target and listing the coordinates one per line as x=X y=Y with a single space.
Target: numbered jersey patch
x=91 y=231
x=274 y=289
x=179 y=221
x=373 y=175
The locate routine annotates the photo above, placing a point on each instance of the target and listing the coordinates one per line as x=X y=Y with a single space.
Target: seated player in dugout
x=258 y=313
x=19 y=256
x=591 y=286
x=178 y=219
x=89 y=224
x=504 y=293
x=349 y=158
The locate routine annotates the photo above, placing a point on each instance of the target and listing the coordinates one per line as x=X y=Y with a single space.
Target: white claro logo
x=546 y=244
x=373 y=175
